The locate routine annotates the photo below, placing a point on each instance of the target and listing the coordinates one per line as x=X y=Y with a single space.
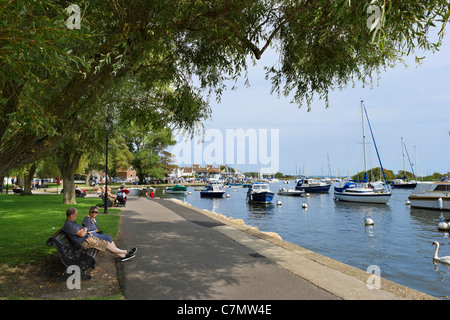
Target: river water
x=399 y=242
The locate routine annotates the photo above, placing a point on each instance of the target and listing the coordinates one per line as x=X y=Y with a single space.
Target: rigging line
x=375 y=144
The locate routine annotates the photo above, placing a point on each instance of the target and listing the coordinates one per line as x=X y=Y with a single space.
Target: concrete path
x=186 y=254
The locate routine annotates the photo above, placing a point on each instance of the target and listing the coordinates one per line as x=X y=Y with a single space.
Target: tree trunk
x=68 y=164
x=69 y=186
x=28 y=175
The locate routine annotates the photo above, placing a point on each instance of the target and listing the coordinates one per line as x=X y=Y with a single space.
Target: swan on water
x=445 y=259
x=368 y=222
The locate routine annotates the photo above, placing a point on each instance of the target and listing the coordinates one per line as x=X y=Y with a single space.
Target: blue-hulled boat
x=259 y=193
x=212 y=190
x=312 y=185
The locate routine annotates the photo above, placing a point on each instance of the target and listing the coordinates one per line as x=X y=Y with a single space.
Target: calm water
x=399 y=242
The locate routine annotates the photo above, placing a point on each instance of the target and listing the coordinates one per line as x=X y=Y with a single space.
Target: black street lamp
x=108 y=124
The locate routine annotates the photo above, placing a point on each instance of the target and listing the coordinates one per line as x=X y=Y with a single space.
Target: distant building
x=195 y=171
x=127 y=174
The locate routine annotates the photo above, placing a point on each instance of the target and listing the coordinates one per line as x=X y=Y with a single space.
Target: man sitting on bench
x=80 y=235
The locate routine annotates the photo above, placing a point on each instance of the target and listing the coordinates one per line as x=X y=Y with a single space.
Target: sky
x=411 y=102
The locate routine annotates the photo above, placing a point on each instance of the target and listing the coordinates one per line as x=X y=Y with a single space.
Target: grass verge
x=26 y=224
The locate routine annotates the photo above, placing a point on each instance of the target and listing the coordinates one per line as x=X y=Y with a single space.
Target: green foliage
x=375 y=174
x=147 y=145
x=175 y=55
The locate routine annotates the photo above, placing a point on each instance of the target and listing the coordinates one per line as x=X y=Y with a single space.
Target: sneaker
x=132 y=251
x=127 y=257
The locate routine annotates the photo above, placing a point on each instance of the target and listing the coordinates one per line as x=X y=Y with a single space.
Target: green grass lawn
x=26 y=222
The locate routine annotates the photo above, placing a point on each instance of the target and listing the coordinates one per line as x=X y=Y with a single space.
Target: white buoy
x=307 y=195
x=440 y=203
x=279 y=202
x=408 y=202
x=227 y=196
x=368 y=222
x=443 y=225
x=189 y=193
x=304 y=206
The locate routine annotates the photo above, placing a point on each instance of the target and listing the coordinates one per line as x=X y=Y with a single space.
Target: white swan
x=445 y=259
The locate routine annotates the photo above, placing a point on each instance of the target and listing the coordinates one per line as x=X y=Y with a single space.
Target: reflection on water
x=399 y=242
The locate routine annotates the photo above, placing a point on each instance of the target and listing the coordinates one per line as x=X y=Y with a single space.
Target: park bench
x=72 y=253
x=17 y=190
x=78 y=193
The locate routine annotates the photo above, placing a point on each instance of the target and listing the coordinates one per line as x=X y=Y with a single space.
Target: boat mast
x=403 y=156
x=376 y=149
x=364 y=139
x=409 y=160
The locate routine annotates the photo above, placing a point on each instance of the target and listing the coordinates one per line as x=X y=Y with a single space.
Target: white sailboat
x=364 y=192
x=402 y=182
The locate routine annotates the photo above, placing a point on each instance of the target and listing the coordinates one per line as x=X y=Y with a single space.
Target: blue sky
x=411 y=102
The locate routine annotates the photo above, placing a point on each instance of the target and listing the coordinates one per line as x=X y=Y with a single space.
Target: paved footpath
x=185 y=254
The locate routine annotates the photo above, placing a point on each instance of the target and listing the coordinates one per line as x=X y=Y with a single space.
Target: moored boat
x=290 y=192
x=312 y=185
x=431 y=195
x=259 y=193
x=403 y=184
x=177 y=189
x=365 y=192
x=212 y=190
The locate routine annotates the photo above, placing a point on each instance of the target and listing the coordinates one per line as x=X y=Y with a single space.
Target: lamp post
x=107 y=129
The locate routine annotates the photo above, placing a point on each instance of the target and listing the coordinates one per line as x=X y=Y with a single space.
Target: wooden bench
x=72 y=253
x=17 y=190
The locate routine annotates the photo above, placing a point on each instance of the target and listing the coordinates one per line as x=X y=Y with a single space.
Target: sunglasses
x=94 y=211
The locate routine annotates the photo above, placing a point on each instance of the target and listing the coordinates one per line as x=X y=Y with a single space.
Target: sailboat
x=401 y=182
x=364 y=192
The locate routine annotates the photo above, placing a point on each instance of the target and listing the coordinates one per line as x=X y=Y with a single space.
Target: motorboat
x=365 y=192
x=403 y=184
x=312 y=185
x=290 y=192
x=177 y=189
x=259 y=193
x=212 y=190
x=431 y=195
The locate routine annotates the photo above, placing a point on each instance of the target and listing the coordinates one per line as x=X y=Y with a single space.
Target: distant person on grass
x=79 y=234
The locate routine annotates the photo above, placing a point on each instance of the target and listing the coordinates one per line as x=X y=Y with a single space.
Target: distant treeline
x=373 y=175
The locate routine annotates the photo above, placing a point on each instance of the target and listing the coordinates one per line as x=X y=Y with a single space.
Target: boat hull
x=318 y=189
x=175 y=191
x=260 y=197
x=212 y=194
x=403 y=185
x=292 y=193
x=429 y=202
x=381 y=198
